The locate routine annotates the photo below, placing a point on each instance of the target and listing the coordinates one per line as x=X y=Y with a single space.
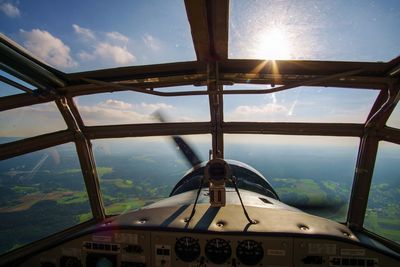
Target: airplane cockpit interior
x=200 y=133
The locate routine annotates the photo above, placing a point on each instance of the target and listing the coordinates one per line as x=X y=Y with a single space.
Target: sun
x=273 y=44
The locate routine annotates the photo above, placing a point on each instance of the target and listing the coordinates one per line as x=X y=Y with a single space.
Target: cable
x=241 y=202
x=195 y=202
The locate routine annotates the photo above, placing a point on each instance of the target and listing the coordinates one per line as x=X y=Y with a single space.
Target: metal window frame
x=209 y=22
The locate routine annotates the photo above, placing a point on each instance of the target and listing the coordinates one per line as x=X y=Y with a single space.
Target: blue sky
x=349 y=30
x=84 y=35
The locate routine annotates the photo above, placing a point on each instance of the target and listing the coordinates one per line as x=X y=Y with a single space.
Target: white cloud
x=113 y=111
x=10 y=10
x=117 y=37
x=97 y=115
x=47 y=47
x=105 y=48
x=86 y=56
x=257 y=113
x=114 y=53
x=111 y=103
x=265 y=109
x=151 y=42
x=84 y=32
x=153 y=107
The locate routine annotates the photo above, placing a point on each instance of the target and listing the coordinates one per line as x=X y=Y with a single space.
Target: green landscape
x=37 y=201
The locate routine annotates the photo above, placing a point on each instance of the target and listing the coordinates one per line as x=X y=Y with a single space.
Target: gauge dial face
x=249 y=252
x=218 y=250
x=187 y=248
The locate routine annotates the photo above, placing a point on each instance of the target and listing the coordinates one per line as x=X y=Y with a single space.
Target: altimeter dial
x=249 y=252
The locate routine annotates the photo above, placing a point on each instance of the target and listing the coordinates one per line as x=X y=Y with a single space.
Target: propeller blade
x=316 y=207
x=185 y=149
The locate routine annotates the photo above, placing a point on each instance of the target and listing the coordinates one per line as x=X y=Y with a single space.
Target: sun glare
x=273 y=44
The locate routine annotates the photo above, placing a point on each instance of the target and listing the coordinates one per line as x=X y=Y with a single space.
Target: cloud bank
x=48 y=48
x=110 y=47
x=113 y=111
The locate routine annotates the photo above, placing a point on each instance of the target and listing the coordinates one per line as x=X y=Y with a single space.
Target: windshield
x=134 y=172
x=316 y=30
x=91 y=93
x=81 y=41
x=41 y=193
x=312 y=173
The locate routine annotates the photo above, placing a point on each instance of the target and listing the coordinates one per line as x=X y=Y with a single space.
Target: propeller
x=314 y=207
x=184 y=148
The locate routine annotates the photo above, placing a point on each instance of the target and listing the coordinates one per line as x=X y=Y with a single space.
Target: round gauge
x=249 y=252
x=218 y=250
x=187 y=248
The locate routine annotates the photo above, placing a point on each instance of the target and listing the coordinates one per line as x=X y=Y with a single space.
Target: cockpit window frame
x=209 y=22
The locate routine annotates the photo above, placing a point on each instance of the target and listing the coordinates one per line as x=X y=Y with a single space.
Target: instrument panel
x=140 y=248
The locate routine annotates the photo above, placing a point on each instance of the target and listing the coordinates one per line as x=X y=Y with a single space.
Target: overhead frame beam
x=21 y=100
x=209 y=27
x=218 y=27
x=139 y=72
x=15 y=57
x=16 y=85
x=196 y=11
x=303 y=67
x=230 y=71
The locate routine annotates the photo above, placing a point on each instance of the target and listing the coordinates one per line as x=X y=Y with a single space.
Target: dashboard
x=169 y=234
x=139 y=248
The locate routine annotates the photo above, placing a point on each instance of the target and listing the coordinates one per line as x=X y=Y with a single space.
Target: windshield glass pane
x=394 y=119
x=314 y=30
x=100 y=34
x=30 y=121
x=132 y=107
x=6 y=89
x=302 y=104
x=383 y=210
x=314 y=174
x=41 y=193
x=134 y=172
